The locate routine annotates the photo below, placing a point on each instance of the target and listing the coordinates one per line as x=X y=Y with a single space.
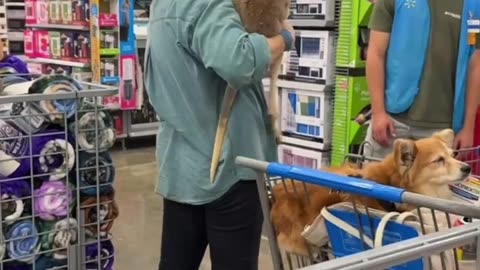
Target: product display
x=62 y=234
x=52 y=200
x=107 y=253
x=23 y=241
x=90 y=120
x=39 y=153
x=106 y=208
x=95 y=171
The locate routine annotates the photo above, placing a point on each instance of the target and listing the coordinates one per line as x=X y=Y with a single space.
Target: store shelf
x=299 y=85
x=143 y=129
x=310 y=23
x=57 y=62
x=14 y=4
x=59 y=26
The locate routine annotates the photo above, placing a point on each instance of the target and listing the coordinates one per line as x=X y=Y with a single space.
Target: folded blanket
x=47 y=263
x=15 y=63
x=14 y=151
x=57 y=156
x=108 y=212
x=22 y=241
x=106 y=253
x=52 y=200
x=52 y=84
x=8 y=80
x=35 y=113
x=12 y=193
x=87 y=181
x=42 y=263
x=87 y=116
x=58 y=235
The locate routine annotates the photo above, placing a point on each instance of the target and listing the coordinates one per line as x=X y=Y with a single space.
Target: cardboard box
x=312 y=59
x=312 y=13
x=292 y=155
x=306 y=113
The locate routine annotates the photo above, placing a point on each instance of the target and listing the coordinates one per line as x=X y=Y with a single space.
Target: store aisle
x=137 y=231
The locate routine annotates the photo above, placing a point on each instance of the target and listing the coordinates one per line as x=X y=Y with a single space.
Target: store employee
x=423 y=70
x=194 y=48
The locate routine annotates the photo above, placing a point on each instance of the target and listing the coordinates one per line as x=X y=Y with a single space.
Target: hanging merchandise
x=89 y=175
x=23 y=242
x=14 y=205
x=90 y=120
x=107 y=211
x=41 y=228
x=107 y=253
x=52 y=200
x=58 y=236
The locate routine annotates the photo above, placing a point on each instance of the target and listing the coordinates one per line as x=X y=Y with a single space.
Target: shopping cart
x=443 y=242
x=56 y=173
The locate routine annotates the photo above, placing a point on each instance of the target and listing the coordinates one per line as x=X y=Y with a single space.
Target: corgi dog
x=426 y=166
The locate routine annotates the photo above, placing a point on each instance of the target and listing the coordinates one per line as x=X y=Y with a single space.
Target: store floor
x=137 y=231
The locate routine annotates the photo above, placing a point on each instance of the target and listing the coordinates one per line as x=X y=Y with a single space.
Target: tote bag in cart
x=341 y=223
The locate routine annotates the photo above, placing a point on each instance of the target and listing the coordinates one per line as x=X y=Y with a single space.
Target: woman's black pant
x=231 y=226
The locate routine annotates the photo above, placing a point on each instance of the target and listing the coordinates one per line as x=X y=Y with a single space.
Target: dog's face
x=429 y=161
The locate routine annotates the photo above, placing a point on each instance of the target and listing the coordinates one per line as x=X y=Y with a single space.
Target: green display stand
x=351 y=98
x=351 y=92
x=352 y=32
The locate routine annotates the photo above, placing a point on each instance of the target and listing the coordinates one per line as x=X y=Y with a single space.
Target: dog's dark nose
x=466 y=169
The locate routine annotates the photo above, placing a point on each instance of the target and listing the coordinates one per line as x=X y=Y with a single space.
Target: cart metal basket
x=56 y=173
x=437 y=241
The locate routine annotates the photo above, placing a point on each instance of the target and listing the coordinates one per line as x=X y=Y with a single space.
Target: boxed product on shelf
x=312 y=59
x=41 y=43
x=80 y=12
x=66 y=45
x=306 y=113
x=109 y=42
x=81 y=45
x=36 y=12
x=312 y=12
x=108 y=20
x=54 y=12
x=66 y=11
x=54 y=41
x=29 y=43
x=298 y=156
x=128 y=84
x=109 y=70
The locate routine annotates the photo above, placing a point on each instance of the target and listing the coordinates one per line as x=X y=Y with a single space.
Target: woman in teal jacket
x=194 y=49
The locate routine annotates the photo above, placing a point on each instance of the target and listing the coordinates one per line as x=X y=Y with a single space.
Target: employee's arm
x=375 y=69
x=473 y=90
x=222 y=44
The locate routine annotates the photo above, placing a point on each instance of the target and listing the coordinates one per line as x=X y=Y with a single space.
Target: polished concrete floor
x=137 y=231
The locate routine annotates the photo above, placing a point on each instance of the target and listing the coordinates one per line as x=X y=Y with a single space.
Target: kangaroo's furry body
x=264 y=17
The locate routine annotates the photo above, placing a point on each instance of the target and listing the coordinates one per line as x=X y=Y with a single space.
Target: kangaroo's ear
x=404 y=153
x=446 y=135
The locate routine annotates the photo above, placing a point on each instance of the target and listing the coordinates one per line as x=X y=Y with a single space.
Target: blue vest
x=406 y=55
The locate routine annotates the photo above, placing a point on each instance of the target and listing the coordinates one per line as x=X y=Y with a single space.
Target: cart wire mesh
x=434 y=214
x=56 y=174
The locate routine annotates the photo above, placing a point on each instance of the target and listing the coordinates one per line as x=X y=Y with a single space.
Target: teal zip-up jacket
x=194 y=48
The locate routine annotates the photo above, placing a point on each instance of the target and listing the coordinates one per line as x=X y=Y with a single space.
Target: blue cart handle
x=335 y=182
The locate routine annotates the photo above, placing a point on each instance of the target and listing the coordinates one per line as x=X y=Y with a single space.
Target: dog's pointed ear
x=447 y=136
x=404 y=152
